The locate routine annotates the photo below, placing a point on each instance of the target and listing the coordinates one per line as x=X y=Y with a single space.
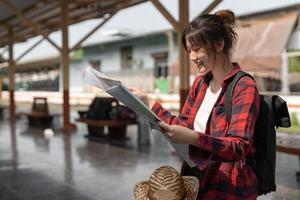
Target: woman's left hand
x=179 y=134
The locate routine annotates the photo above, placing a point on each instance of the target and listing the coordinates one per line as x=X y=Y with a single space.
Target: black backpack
x=100 y=108
x=273 y=113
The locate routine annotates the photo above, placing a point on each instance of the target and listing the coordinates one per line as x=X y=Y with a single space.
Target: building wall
x=76 y=76
x=143 y=53
x=140 y=75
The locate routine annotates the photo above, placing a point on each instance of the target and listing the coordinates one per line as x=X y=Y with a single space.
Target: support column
x=65 y=64
x=68 y=161
x=285 y=73
x=171 y=67
x=11 y=73
x=184 y=64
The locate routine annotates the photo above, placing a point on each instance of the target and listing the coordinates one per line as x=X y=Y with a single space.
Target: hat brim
x=191 y=184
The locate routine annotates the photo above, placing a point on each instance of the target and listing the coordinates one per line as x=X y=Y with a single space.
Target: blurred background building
x=268 y=42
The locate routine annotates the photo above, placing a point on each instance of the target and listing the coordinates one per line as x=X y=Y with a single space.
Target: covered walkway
x=67 y=166
x=22 y=20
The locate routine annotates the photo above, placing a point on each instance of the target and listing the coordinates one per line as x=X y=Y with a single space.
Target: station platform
x=68 y=166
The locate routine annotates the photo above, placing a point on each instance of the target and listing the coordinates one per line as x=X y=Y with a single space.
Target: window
x=161 y=64
x=294 y=71
x=126 y=57
x=96 y=64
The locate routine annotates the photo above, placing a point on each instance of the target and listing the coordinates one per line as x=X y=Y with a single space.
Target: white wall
x=76 y=76
x=110 y=60
x=111 y=65
x=109 y=54
x=144 y=53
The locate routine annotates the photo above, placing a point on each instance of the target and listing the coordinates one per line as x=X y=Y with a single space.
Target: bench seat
x=116 y=129
x=101 y=123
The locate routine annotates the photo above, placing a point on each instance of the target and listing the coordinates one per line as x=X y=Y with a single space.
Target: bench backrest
x=100 y=108
x=40 y=105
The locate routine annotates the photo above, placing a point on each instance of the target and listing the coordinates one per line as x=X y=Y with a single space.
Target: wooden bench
x=102 y=106
x=116 y=128
x=39 y=115
x=290 y=145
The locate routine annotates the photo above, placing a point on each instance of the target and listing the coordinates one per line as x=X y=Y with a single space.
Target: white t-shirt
x=205 y=109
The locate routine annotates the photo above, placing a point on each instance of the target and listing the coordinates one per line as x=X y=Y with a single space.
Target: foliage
x=294 y=64
x=295 y=128
x=76 y=55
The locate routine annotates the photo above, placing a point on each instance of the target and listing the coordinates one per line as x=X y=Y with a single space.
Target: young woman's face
x=202 y=58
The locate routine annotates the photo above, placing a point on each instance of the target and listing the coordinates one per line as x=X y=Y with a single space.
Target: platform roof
x=25 y=17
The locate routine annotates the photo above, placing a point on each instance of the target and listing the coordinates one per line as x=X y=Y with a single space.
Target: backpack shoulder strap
x=229 y=93
x=200 y=84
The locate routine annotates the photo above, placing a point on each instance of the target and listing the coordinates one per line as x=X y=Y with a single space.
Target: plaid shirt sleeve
x=236 y=144
x=182 y=119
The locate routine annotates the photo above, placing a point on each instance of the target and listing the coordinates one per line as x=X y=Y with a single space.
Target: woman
x=218 y=148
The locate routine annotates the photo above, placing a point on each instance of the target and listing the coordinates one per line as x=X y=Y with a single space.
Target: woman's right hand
x=143 y=96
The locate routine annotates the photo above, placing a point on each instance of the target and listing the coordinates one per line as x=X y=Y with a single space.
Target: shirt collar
x=236 y=68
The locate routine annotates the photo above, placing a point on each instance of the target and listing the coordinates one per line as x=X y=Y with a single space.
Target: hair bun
x=227 y=16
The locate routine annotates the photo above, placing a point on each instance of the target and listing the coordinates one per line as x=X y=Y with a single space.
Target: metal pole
x=29 y=49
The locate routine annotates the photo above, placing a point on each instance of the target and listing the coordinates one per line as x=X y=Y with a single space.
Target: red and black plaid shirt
x=223 y=148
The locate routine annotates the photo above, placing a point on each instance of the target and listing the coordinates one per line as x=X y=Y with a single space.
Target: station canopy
x=25 y=17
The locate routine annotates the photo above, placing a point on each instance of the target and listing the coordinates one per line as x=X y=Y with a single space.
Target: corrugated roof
x=262 y=41
x=47 y=15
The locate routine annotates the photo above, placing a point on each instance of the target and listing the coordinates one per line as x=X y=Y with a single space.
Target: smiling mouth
x=199 y=63
x=201 y=66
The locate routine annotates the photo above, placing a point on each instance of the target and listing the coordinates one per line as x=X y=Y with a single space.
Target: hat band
x=150 y=197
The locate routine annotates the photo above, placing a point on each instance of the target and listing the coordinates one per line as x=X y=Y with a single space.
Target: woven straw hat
x=167 y=184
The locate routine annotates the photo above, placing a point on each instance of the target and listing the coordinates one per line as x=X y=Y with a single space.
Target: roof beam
x=77 y=45
x=4 y=50
x=105 y=19
x=211 y=6
x=31 y=24
x=17 y=39
x=53 y=20
x=29 y=49
x=166 y=14
x=35 y=14
x=52 y=13
x=49 y=26
x=41 y=17
x=1 y=55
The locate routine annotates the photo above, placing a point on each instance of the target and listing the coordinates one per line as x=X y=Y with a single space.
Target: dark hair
x=208 y=29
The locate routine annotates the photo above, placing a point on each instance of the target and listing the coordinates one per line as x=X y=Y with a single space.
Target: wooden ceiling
x=22 y=18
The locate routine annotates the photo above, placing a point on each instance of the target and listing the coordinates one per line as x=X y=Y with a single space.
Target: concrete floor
x=69 y=167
